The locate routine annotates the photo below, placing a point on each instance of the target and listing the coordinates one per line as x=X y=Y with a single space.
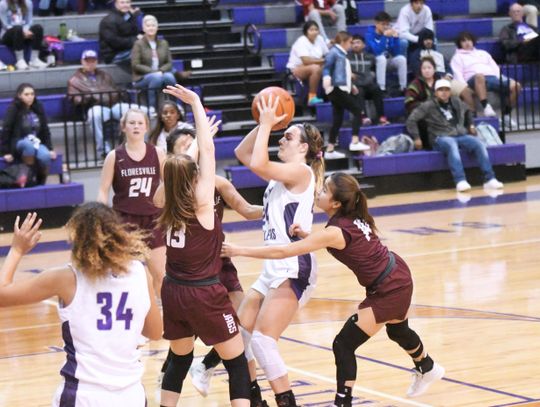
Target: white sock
x=35 y=55
x=19 y=55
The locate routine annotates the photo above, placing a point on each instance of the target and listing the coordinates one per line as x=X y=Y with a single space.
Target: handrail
x=254 y=30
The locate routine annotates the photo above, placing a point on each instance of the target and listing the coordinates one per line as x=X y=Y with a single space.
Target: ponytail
x=311 y=135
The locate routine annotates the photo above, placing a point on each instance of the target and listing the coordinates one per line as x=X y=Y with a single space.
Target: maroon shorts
x=393 y=298
x=205 y=311
x=146 y=223
x=229 y=276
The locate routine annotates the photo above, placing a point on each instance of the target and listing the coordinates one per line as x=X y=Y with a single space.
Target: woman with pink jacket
x=481 y=72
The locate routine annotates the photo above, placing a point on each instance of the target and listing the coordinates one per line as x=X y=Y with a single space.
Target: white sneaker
x=421 y=382
x=358 y=146
x=493 y=183
x=3 y=66
x=333 y=155
x=463 y=197
x=489 y=112
x=463 y=186
x=37 y=64
x=200 y=377
x=509 y=123
x=21 y=65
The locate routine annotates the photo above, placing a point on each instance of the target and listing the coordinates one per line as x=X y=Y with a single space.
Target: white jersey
x=102 y=328
x=282 y=208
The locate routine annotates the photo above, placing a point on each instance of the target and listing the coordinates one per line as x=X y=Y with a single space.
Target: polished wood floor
x=476 y=307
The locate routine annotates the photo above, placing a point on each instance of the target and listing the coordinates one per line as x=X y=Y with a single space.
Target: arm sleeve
x=136 y=60
x=455 y=64
x=7 y=130
x=509 y=41
x=167 y=64
x=412 y=122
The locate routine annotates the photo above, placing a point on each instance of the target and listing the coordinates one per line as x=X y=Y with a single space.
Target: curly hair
x=102 y=243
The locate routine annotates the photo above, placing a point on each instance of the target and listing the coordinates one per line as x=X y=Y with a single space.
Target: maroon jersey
x=135 y=182
x=193 y=254
x=219 y=205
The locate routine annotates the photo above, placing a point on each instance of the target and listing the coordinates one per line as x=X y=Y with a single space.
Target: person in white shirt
x=306 y=59
x=412 y=20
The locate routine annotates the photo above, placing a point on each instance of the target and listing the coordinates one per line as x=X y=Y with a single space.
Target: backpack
x=396 y=144
x=351 y=12
x=488 y=135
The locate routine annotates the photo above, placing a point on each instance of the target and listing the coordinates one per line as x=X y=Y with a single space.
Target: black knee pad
x=239 y=381
x=404 y=336
x=345 y=344
x=177 y=369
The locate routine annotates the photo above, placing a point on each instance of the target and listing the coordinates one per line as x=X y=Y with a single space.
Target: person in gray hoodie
x=450 y=127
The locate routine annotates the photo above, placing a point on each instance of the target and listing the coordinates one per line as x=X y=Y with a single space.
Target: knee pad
x=345 y=344
x=246 y=337
x=405 y=337
x=177 y=368
x=266 y=352
x=239 y=381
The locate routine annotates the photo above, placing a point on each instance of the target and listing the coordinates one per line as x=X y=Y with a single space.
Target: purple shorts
x=204 y=311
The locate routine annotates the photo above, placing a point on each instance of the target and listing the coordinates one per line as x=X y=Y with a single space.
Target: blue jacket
x=335 y=63
x=378 y=44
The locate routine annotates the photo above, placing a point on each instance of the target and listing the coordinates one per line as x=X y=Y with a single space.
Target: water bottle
x=66 y=176
x=62 y=31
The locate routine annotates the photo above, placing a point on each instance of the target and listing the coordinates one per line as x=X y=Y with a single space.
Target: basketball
x=285 y=106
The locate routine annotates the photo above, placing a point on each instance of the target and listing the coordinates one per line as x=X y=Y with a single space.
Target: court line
x=23 y=328
x=380 y=362
x=358 y=388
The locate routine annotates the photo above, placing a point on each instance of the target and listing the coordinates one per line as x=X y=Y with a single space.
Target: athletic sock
x=212 y=359
x=424 y=365
x=255 y=391
x=343 y=396
x=286 y=399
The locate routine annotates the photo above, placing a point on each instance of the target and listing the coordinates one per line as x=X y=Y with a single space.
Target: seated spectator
x=325 y=11
x=118 y=31
x=450 y=126
x=25 y=133
x=18 y=31
x=151 y=61
x=94 y=90
x=337 y=83
x=443 y=69
x=520 y=41
x=179 y=140
x=530 y=10
x=58 y=7
x=413 y=19
x=481 y=72
x=383 y=42
x=363 y=77
x=169 y=118
x=307 y=59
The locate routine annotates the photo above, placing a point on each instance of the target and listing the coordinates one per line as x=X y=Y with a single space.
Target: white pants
x=341 y=22
x=398 y=62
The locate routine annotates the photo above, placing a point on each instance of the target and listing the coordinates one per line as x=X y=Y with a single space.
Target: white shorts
x=90 y=395
x=303 y=284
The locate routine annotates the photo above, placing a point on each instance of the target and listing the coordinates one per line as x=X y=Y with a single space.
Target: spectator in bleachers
x=520 y=41
x=26 y=135
x=151 y=61
x=420 y=89
x=383 y=42
x=118 y=31
x=530 y=10
x=363 y=77
x=481 y=72
x=413 y=19
x=169 y=118
x=337 y=83
x=18 y=32
x=101 y=99
x=180 y=139
x=58 y=7
x=325 y=11
x=442 y=70
x=307 y=59
x=450 y=126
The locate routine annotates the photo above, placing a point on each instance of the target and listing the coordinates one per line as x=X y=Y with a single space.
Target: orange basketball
x=285 y=106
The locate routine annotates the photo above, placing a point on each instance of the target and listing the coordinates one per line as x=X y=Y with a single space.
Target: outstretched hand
x=267 y=110
x=184 y=94
x=27 y=235
x=214 y=125
x=296 y=230
x=228 y=250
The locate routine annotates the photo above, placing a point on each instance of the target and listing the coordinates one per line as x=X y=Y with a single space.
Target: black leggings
x=373 y=92
x=342 y=101
x=14 y=37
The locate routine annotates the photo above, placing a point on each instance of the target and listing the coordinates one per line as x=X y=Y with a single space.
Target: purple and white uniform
x=367 y=257
x=101 y=329
x=282 y=208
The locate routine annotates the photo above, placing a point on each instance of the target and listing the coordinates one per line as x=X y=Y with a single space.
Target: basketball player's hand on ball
x=27 y=235
x=214 y=125
x=267 y=110
x=228 y=250
x=184 y=94
x=296 y=230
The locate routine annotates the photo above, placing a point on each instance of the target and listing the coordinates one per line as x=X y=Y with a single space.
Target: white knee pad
x=266 y=352
x=246 y=337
